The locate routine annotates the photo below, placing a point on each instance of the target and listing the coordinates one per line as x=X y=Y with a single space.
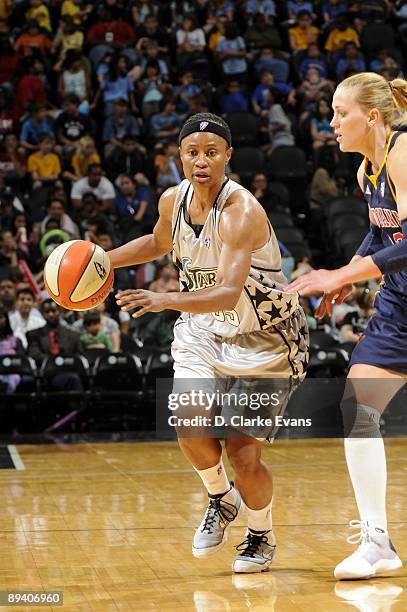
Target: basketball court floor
x=111 y=526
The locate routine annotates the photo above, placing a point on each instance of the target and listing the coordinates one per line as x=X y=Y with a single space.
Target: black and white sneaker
x=257 y=552
x=211 y=534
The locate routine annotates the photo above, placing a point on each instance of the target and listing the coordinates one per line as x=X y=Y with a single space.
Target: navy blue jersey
x=380 y=194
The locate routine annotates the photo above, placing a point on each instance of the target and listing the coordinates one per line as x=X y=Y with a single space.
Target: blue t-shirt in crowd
x=115 y=128
x=320 y=65
x=278 y=68
x=297 y=8
x=232 y=65
x=357 y=64
x=123 y=207
x=160 y=122
x=114 y=90
x=266 y=7
x=31 y=130
x=260 y=94
x=334 y=11
x=234 y=102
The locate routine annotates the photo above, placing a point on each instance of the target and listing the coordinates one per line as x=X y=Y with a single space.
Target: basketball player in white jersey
x=237 y=321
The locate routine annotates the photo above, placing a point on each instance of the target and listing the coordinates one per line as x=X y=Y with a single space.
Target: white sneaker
x=211 y=534
x=257 y=552
x=375 y=553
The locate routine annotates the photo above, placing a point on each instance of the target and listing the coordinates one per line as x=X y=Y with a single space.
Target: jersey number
x=228 y=316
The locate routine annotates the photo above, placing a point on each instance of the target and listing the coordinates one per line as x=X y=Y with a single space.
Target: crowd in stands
x=92 y=97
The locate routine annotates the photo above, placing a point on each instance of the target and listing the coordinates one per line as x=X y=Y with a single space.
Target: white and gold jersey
x=263 y=301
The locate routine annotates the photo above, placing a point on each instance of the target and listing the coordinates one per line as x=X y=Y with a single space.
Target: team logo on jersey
x=207 y=241
x=382 y=188
x=368 y=192
x=203 y=125
x=198 y=278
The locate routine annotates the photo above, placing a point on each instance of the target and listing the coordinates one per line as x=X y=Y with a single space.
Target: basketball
x=77 y=275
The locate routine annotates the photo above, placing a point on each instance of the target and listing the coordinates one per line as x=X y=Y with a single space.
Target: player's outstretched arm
x=152 y=246
x=241 y=225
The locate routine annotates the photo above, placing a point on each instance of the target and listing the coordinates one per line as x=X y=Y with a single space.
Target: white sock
x=366 y=461
x=215 y=479
x=260 y=520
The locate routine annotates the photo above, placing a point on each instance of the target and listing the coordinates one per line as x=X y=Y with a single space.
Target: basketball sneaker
x=211 y=534
x=375 y=553
x=257 y=552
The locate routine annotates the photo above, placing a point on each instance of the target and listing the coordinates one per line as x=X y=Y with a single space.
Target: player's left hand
x=316 y=281
x=145 y=301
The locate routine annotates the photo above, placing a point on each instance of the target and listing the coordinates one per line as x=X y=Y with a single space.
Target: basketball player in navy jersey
x=365 y=108
x=237 y=321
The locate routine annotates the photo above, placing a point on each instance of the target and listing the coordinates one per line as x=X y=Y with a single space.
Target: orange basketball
x=77 y=275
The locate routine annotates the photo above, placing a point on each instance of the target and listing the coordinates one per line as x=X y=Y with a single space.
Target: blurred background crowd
x=92 y=97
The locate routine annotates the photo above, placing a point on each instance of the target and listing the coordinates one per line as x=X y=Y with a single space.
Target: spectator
x=151 y=30
x=261 y=7
x=56 y=212
x=262 y=33
x=7 y=119
x=354 y=323
x=351 y=61
x=33 y=40
x=34 y=126
x=296 y=7
x=321 y=130
x=323 y=184
x=382 y=61
x=73 y=9
x=164 y=126
x=9 y=60
x=260 y=96
x=149 y=53
x=190 y=42
x=13 y=163
x=84 y=156
x=74 y=79
x=68 y=38
x=313 y=89
x=39 y=11
x=279 y=125
x=25 y=317
x=118 y=125
x=108 y=32
x=109 y=326
x=30 y=89
x=44 y=165
x=159 y=330
x=151 y=89
x=71 y=125
x=341 y=34
x=10 y=254
x=261 y=192
x=10 y=205
x=234 y=100
x=166 y=276
x=117 y=85
x=9 y=345
x=97 y=184
x=332 y=9
x=53 y=338
x=231 y=50
x=185 y=91
x=306 y=305
x=168 y=166
x=7 y=294
x=131 y=205
x=278 y=67
x=93 y=336
x=304 y=33
x=128 y=157
x=314 y=59
x=122 y=277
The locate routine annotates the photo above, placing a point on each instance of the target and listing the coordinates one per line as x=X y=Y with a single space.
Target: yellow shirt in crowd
x=40 y=14
x=44 y=165
x=337 y=39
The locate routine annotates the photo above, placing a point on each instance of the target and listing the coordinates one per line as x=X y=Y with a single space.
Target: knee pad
x=359 y=420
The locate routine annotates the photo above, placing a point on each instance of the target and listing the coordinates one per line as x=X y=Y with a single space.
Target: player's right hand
x=329 y=299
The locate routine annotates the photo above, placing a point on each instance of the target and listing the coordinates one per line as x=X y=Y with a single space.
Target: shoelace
x=252 y=543
x=224 y=511
x=363 y=536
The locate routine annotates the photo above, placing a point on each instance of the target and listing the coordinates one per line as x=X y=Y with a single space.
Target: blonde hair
x=373 y=91
x=85 y=141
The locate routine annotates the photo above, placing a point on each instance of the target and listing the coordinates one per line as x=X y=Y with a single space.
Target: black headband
x=205 y=126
